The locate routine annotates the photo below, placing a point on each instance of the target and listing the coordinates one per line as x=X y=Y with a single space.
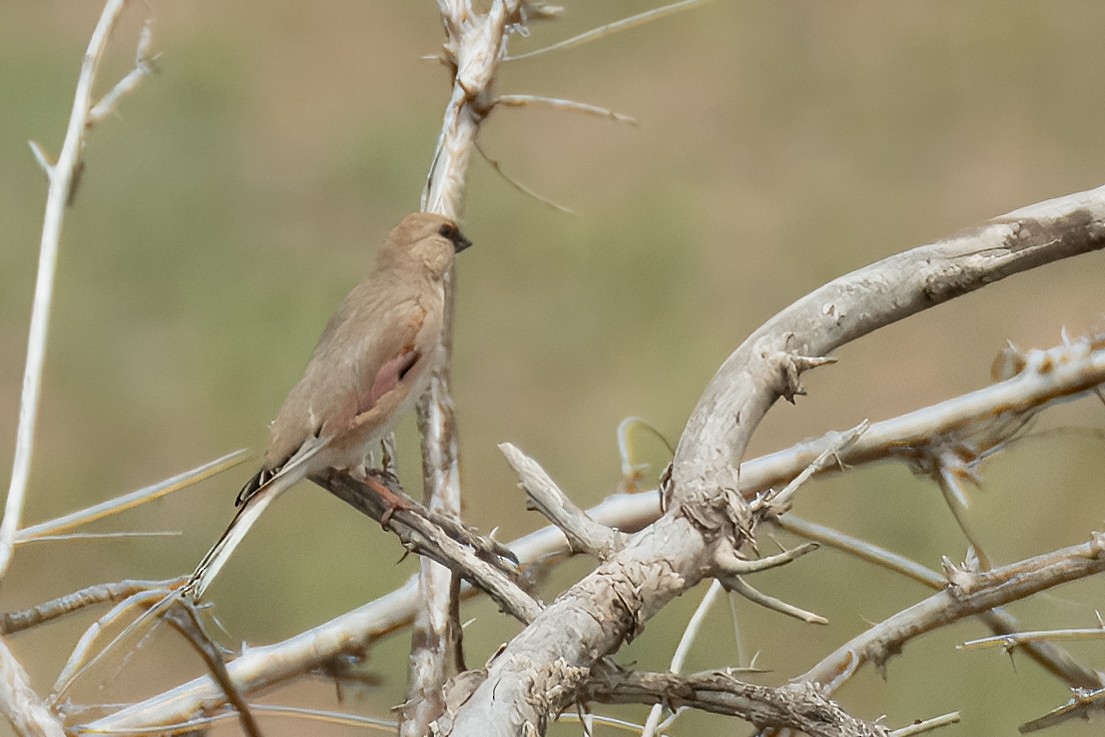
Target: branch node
x=961 y=580
x=790 y=367
x=43 y=158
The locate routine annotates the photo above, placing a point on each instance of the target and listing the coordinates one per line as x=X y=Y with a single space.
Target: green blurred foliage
x=240 y=193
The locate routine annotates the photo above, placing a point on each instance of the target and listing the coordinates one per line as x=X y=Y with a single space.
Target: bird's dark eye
x=448 y=231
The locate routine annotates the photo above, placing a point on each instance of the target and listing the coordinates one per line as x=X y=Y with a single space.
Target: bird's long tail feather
x=255 y=496
x=247 y=514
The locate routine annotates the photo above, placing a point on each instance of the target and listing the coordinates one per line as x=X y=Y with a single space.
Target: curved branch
x=608 y=607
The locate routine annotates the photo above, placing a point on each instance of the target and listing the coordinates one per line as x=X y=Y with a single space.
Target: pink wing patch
x=389 y=376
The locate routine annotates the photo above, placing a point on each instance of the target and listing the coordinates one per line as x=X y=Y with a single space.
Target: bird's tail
x=247 y=514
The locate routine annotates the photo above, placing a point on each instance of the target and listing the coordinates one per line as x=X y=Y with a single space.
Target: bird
x=371 y=364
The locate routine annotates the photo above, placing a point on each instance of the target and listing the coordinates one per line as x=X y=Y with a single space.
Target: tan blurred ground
x=240 y=194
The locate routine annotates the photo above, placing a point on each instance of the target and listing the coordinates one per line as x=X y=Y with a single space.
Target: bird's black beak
x=460 y=242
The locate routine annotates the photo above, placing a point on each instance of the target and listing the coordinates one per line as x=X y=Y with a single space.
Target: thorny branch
x=475 y=44
x=706 y=491
x=673 y=554
x=358 y=630
x=967 y=594
x=798 y=706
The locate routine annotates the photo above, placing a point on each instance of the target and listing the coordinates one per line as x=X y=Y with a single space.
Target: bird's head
x=427 y=240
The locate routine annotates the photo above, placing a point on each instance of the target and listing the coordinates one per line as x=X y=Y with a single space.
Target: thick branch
x=356 y=631
x=474 y=47
x=608 y=607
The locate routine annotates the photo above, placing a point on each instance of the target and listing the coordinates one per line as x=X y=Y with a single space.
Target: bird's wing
x=266 y=476
x=364 y=358
x=353 y=383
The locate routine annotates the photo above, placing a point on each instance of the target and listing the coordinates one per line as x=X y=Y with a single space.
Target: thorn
x=42 y=158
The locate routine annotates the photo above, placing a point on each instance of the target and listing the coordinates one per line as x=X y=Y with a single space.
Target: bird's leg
x=380 y=482
x=388 y=459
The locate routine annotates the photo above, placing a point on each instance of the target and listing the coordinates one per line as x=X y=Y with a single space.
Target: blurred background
x=240 y=193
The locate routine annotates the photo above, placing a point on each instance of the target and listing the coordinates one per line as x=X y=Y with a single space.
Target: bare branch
x=25 y=711
x=475 y=45
x=583 y=533
x=981 y=421
x=609 y=29
x=63 y=178
x=742 y=587
x=797 y=706
x=358 y=630
x=76 y=601
x=1052 y=658
x=672 y=555
x=421 y=531
x=927 y=725
x=558 y=103
x=131 y=500
x=971 y=594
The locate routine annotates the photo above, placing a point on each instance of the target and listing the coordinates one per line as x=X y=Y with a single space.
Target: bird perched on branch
x=371 y=364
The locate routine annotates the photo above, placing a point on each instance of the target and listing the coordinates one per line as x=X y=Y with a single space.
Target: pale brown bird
x=371 y=364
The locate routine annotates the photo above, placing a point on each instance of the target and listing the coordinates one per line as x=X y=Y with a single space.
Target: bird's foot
x=386 y=485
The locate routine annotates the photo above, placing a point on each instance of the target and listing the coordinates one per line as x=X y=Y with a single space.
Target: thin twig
x=740 y=586
x=971 y=594
x=1081 y=706
x=927 y=725
x=861 y=549
x=632 y=472
x=76 y=601
x=184 y=619
x=1023 y=638
x=778 y=503
x=122 y=535
x=82 y=657
x=63 y=176
x=524 y=189
x=558 y=103
x=143 y=67
x=694 y=626
x=611 y=28
x=131 y=500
